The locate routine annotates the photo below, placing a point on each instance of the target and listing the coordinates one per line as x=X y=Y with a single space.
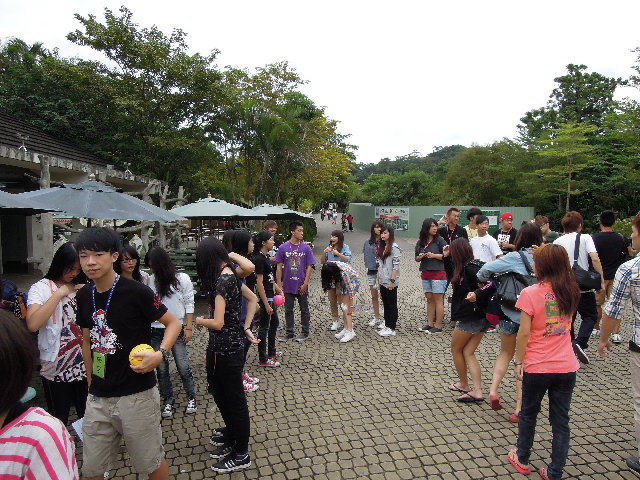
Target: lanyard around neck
x=93 y=296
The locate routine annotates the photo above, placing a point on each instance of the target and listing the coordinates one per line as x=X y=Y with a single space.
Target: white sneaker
x=167 y=411
x=348 y=336
x=374 y=321
x=616 y=338
x=191 y=406
x=334 y=325
x=381 y=325
x=387 y=332
x=341 y=333
x=595 y=332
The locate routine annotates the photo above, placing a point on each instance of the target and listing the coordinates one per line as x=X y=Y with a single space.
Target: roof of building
x=13 y=130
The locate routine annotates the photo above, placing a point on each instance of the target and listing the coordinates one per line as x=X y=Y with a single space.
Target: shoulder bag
x=510 y=284
x=587 y=279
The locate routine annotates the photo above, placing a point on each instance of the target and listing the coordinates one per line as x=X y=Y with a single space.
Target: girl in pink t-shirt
x=545 y=354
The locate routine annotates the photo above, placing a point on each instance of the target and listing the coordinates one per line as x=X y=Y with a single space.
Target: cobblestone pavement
x=378 y=408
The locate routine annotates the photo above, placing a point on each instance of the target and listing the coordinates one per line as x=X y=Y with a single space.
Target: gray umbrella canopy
x=216 y=209
x=12 y=204
x=273 y=211
x=96 y=200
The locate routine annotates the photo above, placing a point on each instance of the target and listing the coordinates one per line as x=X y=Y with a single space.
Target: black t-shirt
x=264 y=267
x=133 y=308
x=611 y=248
x=449 y=236
x=502 y=236
x=231 y=337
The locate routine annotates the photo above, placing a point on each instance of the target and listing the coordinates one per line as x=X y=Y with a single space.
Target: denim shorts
x=371 y=278
x=434 y=286
x=508 y=327
x=473 y=326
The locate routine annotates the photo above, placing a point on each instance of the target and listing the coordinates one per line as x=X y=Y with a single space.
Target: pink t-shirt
x=549 y=349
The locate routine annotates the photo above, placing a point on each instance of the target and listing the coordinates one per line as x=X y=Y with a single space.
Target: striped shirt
x=35 y=446
x=626 y=285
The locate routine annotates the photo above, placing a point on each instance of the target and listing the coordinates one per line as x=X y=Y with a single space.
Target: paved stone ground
x=378 y=408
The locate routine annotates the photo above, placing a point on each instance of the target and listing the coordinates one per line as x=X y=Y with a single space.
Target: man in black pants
x=450 y=230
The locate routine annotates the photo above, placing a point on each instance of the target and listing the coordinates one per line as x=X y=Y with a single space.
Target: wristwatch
x=165 y=354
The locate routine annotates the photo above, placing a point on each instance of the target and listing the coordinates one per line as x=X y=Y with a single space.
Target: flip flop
x=543 y=473
x=495 y=402
x=468 y=398
x=454 y=388
x=512 y=456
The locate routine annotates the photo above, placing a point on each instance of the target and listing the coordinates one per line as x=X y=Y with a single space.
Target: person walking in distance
x=388 y=278
x=295 y=262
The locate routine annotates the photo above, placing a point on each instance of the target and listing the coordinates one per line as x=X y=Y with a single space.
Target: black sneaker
x=580 y=353
x=218 y=431
x=221 y=451
x=288 y=336
x=425 y=328
x=435 y=330
x=232 y=464
x=219 y=440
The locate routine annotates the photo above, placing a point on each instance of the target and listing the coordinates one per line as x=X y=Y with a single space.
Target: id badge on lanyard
x=100 y=320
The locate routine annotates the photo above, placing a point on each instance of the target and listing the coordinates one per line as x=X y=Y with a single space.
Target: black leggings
x=224 y=375
x=390 y=304
x=61 y=395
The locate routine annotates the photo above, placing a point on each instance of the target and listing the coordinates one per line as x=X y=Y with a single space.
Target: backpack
x=510 y=284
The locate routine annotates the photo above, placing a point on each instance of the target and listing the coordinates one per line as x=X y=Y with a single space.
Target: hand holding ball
x=278 y=300
x=143 y=347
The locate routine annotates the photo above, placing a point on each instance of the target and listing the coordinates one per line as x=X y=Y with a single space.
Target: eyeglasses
x=128 y=260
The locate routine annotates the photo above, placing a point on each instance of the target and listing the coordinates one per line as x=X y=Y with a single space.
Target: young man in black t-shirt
x=115 y=315
x=611 y=247
x=506 y=236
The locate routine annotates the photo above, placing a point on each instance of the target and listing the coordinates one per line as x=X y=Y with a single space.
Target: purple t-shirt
x=295 y=259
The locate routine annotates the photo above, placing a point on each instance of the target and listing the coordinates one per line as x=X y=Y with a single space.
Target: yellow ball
x=143 y=347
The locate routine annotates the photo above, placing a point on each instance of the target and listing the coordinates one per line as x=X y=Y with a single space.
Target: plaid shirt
x=350 y=281
x=626 y=285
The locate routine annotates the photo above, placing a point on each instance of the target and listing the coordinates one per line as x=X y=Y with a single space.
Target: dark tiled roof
x=11 y=126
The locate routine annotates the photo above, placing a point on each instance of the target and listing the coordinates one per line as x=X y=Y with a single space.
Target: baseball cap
x=506 y=216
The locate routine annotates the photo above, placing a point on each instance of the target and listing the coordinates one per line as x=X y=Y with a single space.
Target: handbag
x=510 y=284
x=587 y=279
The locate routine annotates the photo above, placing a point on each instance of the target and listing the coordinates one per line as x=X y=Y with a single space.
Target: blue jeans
x=589 y=314
x=560 y=387
x=181 y=358
x=305 y=316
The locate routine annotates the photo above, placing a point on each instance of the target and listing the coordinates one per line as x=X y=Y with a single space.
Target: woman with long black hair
x=51 y=311
x=388 y=258
x=337 y=251
x=175 y=290
x=544 y=359
x=225 y=352
x=128 y=265
x=369 y=249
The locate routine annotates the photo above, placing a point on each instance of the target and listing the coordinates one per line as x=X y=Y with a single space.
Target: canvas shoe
x=232 y=463
x=302 y=337
x=387 y=332
x=425 y=328
x=334 y=325
x=348 y=336
x=167 y=411
x=269 y=363
x=191 y=406
x=248 y=379
x=341 y=333
x=274 y=356
x=373 y=322
x=616 y=338
x=250 y=387
x=580 y=353
x=382 y=325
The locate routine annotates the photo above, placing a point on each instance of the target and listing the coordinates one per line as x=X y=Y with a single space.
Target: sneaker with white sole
x=616 y=338
x=425 y=328
x=250 y=387
x=191 y=406
x=249 y=379
x=167 y=411
x=580 y=353
x=387 y=332
x=348 y=336
x=382 y=325
x=269 y=363
x=221 y=451
x=334 y=325
x=232 y=463
x=341 y=333
x=595 y=332
x=373 y=322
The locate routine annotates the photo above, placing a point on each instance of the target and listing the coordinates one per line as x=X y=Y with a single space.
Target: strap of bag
x=527 y=265
x=576 y=249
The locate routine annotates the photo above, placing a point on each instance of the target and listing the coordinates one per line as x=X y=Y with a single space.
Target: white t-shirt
x=587 y=246
x=180 y=302
x=485 y=248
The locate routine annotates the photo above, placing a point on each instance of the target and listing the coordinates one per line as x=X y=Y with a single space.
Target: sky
x=398 y=76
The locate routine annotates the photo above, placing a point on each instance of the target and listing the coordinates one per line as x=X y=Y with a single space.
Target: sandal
x=543 y=473
x=455 y=388
x=513 y=460
x=514 y=417
x=495 y=402
x=468 y=398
